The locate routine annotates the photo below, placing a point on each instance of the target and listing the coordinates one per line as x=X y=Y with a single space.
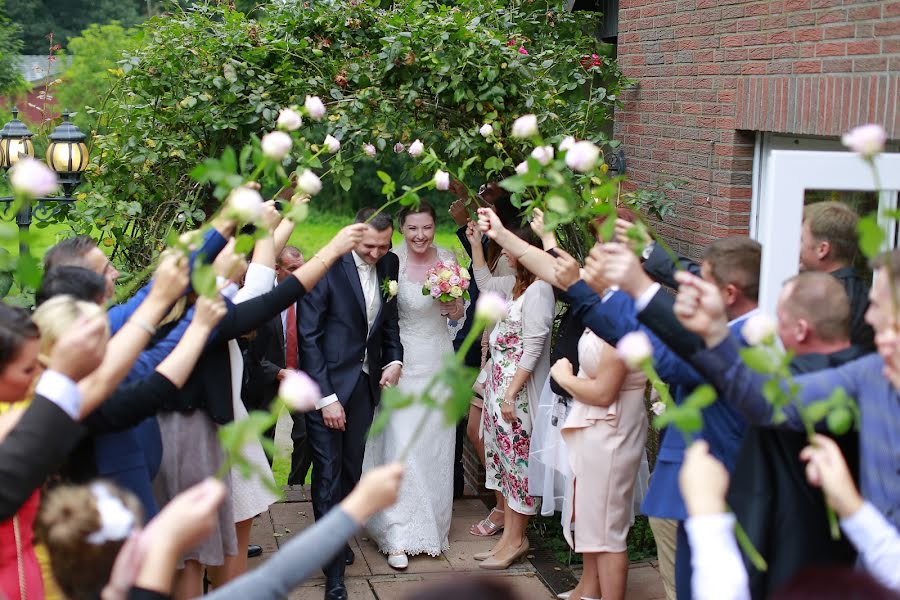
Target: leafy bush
x=211 y=78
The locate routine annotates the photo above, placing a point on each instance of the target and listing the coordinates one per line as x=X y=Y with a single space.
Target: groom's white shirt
x=368 y=279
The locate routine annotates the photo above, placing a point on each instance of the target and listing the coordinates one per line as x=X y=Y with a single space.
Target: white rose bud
x=399 y=147
x=658 y=408
x=486 y=130
x=441 y=180
x=33 y=177
x=299 y=391
x=867 y=140
x=245 y=204
x=288 y=120
x=543 y=154
x=416 y=149
x=582 y=156
x=525 y=127
x=491 y=306
x=276 y=145
x=522 y=167
x=314 y=108
x=392 y=288
x=370 y=150
x=635 y=348
x=566 y=143
x=332 y=144
x=309 y=183
x=759 y=329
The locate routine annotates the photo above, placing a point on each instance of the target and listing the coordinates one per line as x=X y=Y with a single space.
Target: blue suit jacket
x=132 y=457
x=723 y=427
x=333 y=325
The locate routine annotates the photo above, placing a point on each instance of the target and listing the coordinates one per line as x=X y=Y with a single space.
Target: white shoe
x=564 y=595
x=398 y=561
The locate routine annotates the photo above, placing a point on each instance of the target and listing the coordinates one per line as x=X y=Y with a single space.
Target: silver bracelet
x=142 y=324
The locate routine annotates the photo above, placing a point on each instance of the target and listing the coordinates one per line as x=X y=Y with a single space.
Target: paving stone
x=357 y=589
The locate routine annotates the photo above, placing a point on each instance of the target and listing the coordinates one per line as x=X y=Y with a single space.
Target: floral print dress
x=506 y=445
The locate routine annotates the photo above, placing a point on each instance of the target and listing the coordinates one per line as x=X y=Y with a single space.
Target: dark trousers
x=682 y=564
x=338 y=456
x=301 y=455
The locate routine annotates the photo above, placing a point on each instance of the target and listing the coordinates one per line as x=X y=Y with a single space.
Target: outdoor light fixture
x=15 y=141
x=67 y=155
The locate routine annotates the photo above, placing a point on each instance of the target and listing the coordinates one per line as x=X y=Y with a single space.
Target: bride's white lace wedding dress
x=420 y=520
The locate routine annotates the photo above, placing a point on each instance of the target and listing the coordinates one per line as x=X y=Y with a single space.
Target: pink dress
x=605 y=445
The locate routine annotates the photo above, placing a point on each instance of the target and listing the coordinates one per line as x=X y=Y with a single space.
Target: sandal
x=486 y=527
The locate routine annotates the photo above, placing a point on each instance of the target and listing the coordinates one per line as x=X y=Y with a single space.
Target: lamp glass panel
x=66 y=157
x=13 y=147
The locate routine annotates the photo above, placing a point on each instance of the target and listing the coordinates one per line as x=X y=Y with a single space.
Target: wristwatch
x=648 y=250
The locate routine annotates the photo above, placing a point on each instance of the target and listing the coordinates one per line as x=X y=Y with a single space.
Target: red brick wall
x=710 y=73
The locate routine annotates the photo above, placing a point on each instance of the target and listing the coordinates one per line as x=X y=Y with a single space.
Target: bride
x=420 y=520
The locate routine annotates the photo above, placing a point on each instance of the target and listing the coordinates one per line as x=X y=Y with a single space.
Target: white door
x=788 y=179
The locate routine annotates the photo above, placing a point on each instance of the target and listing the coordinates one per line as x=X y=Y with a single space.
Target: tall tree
x=68 y=18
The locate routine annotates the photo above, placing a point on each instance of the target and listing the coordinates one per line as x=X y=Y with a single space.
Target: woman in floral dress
x=519 y=365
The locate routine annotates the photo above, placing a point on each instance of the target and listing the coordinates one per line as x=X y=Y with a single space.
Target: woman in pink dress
x=604 y=434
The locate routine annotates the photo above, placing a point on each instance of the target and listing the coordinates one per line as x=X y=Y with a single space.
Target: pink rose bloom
x=444 y=287
x=433 y=278
x=439 y=265
x=504 y=444
x=464 y=284
x=455 y=280
x=435 y=292
x=522 y=50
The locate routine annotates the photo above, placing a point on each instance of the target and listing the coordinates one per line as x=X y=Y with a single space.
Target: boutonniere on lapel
x=389 y=288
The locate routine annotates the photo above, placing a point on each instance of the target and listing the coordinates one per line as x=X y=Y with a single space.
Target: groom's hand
x=390 y=376
x=334 y=417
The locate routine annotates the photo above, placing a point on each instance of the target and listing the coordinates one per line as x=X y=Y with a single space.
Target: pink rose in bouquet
x=446 y=282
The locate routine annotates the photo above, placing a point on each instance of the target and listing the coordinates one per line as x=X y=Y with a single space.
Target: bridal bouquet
x=446 y=282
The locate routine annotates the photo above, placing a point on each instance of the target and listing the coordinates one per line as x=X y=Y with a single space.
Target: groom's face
x=374 y=244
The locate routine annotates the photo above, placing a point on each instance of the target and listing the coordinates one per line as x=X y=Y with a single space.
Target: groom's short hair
x=379 y=221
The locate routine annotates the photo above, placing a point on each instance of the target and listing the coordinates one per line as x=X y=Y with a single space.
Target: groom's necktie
x=290 y=337
x=367 y=280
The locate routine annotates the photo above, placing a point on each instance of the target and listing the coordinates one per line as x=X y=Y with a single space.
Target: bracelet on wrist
x=322 y=260
x=142 y=324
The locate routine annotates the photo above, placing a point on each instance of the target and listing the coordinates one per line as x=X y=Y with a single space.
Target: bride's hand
x=453 y=309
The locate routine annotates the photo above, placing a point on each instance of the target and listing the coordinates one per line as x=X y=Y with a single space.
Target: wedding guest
x=829 y=244
x=605 y=435
x=192 y=449
x=520 y=356
x=154 y=551
x=77 y=282
x=813 y=316
x=719 y=572
x=493 y=195
x=872 y=380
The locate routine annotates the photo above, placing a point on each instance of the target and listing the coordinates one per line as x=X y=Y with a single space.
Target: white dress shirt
x=718 y=570
x=61 y=391
x=877 y=542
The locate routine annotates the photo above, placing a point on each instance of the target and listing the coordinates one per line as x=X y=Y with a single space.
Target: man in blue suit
x=350 y=344
x=733 y=265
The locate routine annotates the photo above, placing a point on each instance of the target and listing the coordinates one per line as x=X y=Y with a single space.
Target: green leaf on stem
x=871 y=235
x=203 y=280
x=760 y=359
x=28 y=272
x=701 y=397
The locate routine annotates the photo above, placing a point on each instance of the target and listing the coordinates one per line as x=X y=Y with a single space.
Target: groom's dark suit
x=333 y=347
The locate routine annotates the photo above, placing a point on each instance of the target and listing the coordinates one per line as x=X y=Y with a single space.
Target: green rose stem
x=895 y=304
x=384 y=206
x=742 y=538
x=460 y=356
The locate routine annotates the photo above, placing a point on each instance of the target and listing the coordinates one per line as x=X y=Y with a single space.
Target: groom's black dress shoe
x=335 y=590
x=349 y=557
x=253 y=551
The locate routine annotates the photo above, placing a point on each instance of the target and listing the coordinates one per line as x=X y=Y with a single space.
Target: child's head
x=83 y=528
x=55 y=316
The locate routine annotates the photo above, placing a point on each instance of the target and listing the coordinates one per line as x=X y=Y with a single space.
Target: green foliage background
x=202 y=80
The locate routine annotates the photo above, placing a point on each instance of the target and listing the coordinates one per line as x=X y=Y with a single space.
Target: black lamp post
x=67 y=155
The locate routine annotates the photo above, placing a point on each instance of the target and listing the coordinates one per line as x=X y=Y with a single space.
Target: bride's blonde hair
x=68 y=516
x=55 y=316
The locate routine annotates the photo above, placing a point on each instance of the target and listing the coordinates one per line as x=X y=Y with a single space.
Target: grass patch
x=548 y=530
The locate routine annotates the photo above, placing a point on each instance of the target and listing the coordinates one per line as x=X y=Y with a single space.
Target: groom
x=350 y=344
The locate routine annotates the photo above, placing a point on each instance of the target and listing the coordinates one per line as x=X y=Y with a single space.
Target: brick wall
x=711 y=73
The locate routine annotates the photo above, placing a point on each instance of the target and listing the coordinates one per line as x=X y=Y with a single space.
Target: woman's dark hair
x=470 y=588
x=524 y=277
x=77 y=282
x=423 y=208
x=508 y=214
x=833 y=583
x=16 y=328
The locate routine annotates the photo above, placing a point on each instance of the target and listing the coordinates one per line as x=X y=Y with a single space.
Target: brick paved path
x=370 y=577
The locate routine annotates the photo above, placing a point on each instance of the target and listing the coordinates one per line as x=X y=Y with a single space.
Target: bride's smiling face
x=418 y=230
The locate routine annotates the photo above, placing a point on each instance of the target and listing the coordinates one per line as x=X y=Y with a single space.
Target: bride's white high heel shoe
x=398 y=561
